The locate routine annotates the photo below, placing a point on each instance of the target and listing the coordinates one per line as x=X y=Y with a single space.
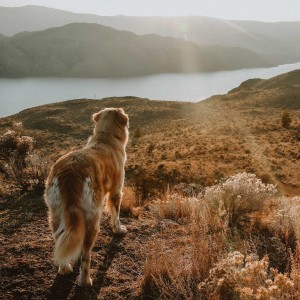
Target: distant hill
x=92 y=50
x=280 y=92
x=277 y=40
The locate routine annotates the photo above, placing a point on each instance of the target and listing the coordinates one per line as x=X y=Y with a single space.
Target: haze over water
x=19 y=94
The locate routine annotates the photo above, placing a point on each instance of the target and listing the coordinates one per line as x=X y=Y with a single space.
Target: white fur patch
x=53 y=194
x=88 y=203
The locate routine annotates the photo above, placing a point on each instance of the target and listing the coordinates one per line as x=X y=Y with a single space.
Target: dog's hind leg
x=114 y=203
x=92 y=229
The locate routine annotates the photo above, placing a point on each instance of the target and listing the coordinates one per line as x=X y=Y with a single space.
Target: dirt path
x=27 y=271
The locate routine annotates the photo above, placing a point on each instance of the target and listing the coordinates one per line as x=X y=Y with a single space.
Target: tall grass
x=199 y=259
x=178 y=261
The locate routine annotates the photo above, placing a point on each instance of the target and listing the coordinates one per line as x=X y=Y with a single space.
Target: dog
x=77 y=186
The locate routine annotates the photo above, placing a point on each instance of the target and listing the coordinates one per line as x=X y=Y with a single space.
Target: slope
x=179 y=142
x=92 y=50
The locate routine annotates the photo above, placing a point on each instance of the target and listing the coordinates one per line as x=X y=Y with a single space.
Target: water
x=19 y=94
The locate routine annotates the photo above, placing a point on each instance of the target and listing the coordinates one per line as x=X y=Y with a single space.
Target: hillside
x=277 y=41
x=92 y=50
x=190 y=228
x=174 y=142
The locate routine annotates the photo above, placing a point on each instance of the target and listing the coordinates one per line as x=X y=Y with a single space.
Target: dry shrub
x=238 y=196
x=22 y=168
x=167 y=272
x=31 y=177
x=283 y=219
x=131 y=203
x=295 y=269
x=175 y=207
x=286 y=120
x=175 y=265
x=246 y=277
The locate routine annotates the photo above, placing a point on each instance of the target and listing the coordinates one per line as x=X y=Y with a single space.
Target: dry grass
x=179 y=259
x=204 y=243
x=239 y=196
x=21 y=167
x=282 y=218
x=246 y=277
x=205 y=257
x=131 y=202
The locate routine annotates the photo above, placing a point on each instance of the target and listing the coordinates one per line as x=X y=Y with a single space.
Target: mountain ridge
x=93 y=50
x=277 y=40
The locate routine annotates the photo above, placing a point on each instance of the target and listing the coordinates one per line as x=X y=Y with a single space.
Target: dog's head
x=113 y=121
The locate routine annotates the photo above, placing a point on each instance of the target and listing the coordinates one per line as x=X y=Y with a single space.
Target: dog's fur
x=77 y=186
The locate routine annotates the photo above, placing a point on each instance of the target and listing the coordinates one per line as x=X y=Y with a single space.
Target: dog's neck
x=104 y=137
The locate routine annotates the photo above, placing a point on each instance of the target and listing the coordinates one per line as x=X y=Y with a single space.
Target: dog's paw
x=85 y=281
x=64 y=270
x=120 y=230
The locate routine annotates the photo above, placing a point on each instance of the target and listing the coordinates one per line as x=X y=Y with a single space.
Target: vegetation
x=21 y=168
x=208 y=257
x=211 y=200
x=286 y=120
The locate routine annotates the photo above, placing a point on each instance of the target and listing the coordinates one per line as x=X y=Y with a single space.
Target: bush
x=175 y=207
x=286 y=120
x=238 y=196
x=177 y=262
x=245 y=277
x=283 y=219
x=194 y=256
x=131 y=203
x=22 y=168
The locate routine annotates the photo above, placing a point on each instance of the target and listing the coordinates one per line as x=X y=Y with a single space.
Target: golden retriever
x=77 y=186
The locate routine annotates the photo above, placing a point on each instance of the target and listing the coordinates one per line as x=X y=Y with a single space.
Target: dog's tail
x=69 y=242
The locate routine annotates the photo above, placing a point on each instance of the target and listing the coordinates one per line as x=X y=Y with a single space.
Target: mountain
x=277 y=40
x=92 y=50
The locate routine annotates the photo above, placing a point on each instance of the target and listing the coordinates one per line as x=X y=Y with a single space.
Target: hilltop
x=93 y=50
x=180 y=142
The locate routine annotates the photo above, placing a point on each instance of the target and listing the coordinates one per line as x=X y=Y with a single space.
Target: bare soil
x=27 y=269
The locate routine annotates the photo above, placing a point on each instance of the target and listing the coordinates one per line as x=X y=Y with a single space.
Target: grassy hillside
x=193 y=232
x=91 y=50
x=174 y=142
x=278 y=40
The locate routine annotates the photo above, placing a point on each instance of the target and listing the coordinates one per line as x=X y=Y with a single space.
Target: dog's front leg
x=114 y=203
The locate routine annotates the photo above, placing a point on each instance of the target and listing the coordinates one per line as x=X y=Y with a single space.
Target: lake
x=22 y=93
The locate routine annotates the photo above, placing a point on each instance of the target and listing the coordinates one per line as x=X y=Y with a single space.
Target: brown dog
x=76 y=188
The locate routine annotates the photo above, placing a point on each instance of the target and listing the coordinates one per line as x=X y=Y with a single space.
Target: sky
x=262 y=10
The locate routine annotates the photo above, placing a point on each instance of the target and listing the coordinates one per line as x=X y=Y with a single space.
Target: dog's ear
x=96 y=116
x=122 y=118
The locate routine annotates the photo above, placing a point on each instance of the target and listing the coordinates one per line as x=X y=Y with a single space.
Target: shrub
x=245 y=277
x=283 y=219
x=177 y=262
x=131 y=203
x=22 y=168
x=286 y=120
x=175 y=207
x=238 y=196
